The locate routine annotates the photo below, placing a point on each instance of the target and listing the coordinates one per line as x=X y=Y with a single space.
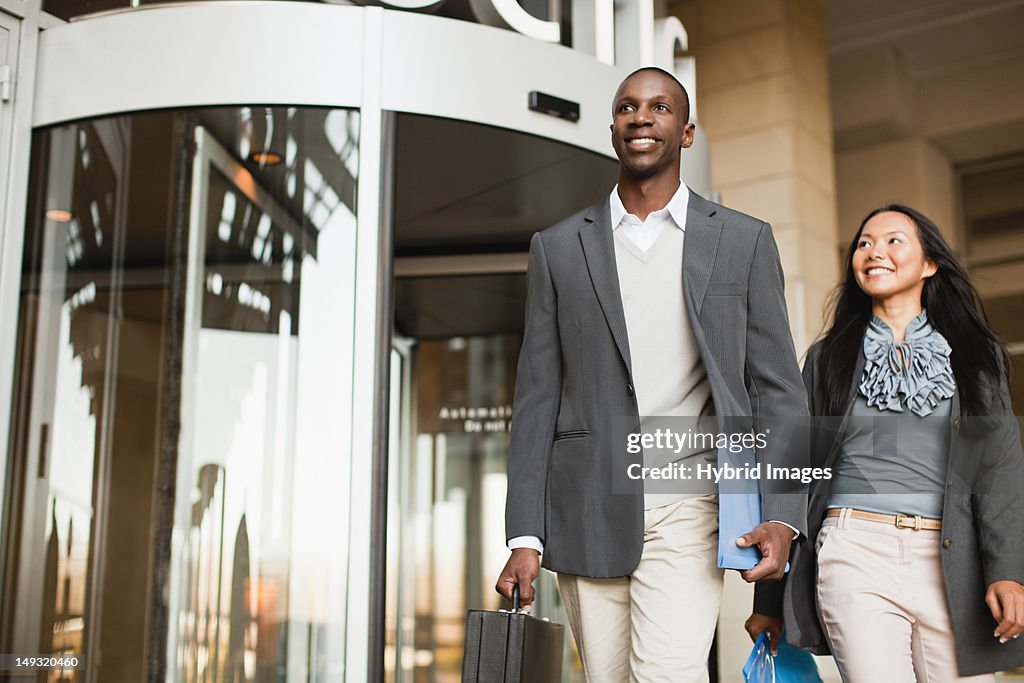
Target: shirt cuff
x=796 y=534
x=526 y=542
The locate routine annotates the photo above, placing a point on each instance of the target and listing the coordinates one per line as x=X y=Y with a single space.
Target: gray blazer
x=982 y=529
x=574 y=399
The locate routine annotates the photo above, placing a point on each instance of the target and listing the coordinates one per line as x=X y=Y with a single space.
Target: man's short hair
x=670 y=76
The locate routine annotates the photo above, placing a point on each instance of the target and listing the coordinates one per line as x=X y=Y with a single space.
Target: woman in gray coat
x=913 y=566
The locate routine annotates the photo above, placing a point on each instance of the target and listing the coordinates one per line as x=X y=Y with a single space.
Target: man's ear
x=687 y=139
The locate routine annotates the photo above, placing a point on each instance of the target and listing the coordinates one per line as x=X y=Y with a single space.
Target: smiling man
x=653 y=303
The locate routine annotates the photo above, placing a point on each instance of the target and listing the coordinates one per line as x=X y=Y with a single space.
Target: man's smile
x=642 y=144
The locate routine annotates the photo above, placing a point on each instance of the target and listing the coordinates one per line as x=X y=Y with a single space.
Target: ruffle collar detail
x=922 y=380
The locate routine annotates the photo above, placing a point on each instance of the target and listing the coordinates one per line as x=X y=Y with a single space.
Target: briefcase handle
x=515 y=598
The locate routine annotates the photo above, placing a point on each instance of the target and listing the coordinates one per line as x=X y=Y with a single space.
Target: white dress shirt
x=644 y=233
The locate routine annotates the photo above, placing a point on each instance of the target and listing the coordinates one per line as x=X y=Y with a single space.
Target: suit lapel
x=703 y=232
x=599 y=249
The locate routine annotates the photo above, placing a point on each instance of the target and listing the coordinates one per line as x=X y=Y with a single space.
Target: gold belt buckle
x=916 y=526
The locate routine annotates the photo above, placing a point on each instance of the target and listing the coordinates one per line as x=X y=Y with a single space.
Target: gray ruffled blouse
x=920 y=381
x=896 y=443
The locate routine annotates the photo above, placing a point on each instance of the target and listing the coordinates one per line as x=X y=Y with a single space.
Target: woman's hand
x=1006 y=600
x=762 y=622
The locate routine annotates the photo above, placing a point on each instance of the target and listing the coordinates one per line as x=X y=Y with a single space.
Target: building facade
x=262 y=274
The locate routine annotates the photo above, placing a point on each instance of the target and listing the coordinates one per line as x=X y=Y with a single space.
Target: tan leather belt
x=915 y=522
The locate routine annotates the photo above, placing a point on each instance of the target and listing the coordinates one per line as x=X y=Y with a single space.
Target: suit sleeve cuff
x=528 y=542
x=796 y=532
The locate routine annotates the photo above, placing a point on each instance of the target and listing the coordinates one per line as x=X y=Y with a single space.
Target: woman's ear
x=929 y=268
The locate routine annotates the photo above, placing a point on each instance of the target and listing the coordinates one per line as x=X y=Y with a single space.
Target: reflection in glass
x=184 y=371
x=449 y=490
x=447 y=501
x=76 y=337
x=257 y=554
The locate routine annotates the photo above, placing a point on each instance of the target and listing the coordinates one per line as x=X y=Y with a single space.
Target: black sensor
x=554 y=106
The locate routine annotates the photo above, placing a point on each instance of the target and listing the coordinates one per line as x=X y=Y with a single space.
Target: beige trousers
x=882 y=603
x=655 y=625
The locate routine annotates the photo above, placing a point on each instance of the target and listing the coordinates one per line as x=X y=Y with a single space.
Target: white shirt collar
x=676 y=207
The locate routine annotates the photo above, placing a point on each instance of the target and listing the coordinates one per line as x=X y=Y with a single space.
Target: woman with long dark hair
x=913 y=566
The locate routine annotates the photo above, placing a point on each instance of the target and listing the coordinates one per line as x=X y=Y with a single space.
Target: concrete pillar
x=763 y=86
x=882 y=119
x=762 y=79
x=910 y=171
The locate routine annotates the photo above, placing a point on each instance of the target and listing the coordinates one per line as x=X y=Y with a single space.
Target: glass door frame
x=22 y=19
x=10 y=28
x=37 y=471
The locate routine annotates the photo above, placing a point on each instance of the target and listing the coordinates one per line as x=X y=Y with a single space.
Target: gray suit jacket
x=982 y=520
x=574 y=399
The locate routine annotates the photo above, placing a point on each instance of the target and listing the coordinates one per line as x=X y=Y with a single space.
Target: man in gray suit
x=624 y=323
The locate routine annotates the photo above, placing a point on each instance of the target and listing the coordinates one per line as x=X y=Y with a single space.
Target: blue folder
x=739 y=511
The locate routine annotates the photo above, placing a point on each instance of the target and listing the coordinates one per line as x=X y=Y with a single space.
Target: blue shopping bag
x=789 y=666
x=760 y=667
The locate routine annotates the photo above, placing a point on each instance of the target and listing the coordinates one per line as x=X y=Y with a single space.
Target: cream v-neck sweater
x=668 y=375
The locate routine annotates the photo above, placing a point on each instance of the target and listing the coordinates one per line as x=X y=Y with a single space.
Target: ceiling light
x=265 y=158
x=59 y=215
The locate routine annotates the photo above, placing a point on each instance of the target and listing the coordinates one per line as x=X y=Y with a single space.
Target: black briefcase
x=511 y=647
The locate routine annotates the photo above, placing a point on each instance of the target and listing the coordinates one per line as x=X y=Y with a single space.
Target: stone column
x=910 y=171
x=883 y=123
x=763 y=100
x=763 y=88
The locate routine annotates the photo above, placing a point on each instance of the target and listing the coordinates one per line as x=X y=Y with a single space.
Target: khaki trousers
x=882 y=603
x=656 y=624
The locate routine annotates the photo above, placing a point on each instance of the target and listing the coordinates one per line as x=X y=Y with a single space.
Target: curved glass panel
x=467 y=200
x=179 y=493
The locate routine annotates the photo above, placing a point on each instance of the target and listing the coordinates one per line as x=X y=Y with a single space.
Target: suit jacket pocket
x=726 y=289
x=572 y=434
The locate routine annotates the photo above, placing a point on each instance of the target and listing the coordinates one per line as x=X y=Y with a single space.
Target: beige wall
x=763 y=93
x=910 y=171
x=900 y=129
